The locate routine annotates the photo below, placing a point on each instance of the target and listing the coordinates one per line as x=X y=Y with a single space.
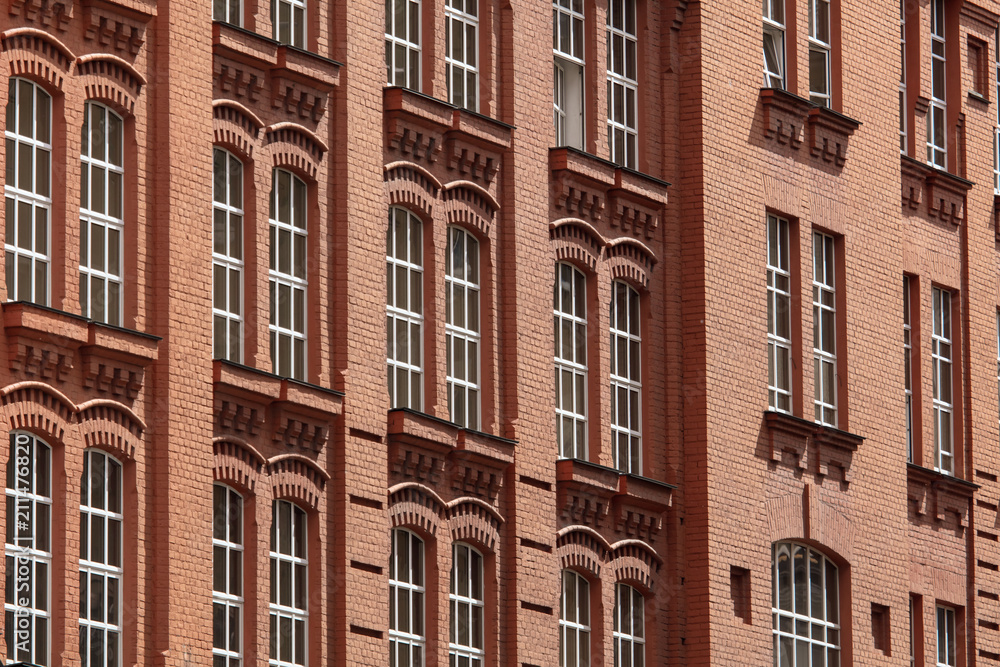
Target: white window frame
x=629 y=633
x=227 y=256
x=947 y=639
x=819 y=52
x=96 y=257
x=567 y=70
x=28 y=550
x=28 y=200
x=569 y=312
x=461 y=17
x=574 y=620
x=626 y=378
x=998 y=364
x=296 y=613
x=774 y=33
x=407 y=634
x=289 y=282
x=942 y=382
x=796 y=617
x=402 y=43
x=824 y=329
x=903 y=108
x=996 y=128
x=227 y=548
x=908 y=362
x=779 y=310
x=466 y=609
x=623 y=82
x=404 y=309
x=463 y=381
x=937 y=113
x=228 y=11
x=298 y=20
x=108 y=629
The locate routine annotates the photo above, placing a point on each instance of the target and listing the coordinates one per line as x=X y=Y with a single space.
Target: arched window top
x=467 y=601
x=407 y=593
x=805 y=604
x=629 y=626
x=289 y=609
x=574 y=620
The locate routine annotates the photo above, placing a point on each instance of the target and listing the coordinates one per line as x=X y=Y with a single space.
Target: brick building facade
x=224 y=233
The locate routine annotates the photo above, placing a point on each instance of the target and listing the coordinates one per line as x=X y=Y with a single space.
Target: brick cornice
x=812 y=446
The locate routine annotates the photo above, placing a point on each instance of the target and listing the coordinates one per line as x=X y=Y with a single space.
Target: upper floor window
x=902 y=76
x=102 y=226
x=569 y=311
x=461 y=34
x=824 y=330
x=623 y=82
x=996 y=129
x=289 y=585
x=574 y=621
x=947 y=646
x=805 y=606
x=626 y=378
x=998 y=359
x=227 y=256
x=567 y=72
x=404 y=318
x=288 y=275
x=402 y=43
x=779 y=317
x=100 y=560
x=936 y=114
x=28 y=197
x=629 y=627
x=462 y=336
x=289 y=17
x=28 y=550
x=406 y=600
x=228 y=11
x=227 y=577
x=466 y=648
x=941 y=380
x=907 y=372
x=819 y=52
x=774 y=44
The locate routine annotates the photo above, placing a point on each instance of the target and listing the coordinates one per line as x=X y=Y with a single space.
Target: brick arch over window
x=574 y=240
x=37 y=408
x=109 y=79
x=294 y=147
x=237 y=462
x=416 y=505
x=411 y=186
x=236 y=128
x=631 y=261
x=466 y=204
x=37 y=55
x=110 y=426
x=296 y=477
x=472 y=520
x=580 y=548
x=634 y=561
x=805 y=517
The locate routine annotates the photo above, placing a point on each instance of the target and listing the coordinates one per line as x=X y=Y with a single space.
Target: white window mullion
x=462 y=327
x=626 y=379
x=466 y=599
x=227 y=588
x=819 y=52
x=824 y=330
x=287 y=276
x=623 y=82
x=629 y=627
x=570 y=330
x=402 y=43
x=406 y=600
x=404 y=310
x=289 y=613
x=907 y=369
x=289 y=17
x=903 y=109
x=567 y=71
x=227 y=257
x=941 y=360
x=947 y=644
x=779 y=324
x=774 y=44
x=805 y=607
x=574 y=621
x=937 y=111
x=461 y=19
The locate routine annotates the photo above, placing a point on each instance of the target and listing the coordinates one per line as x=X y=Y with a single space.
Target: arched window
x=227 y=577
x=805 y=607
x=569 y=311
x=227 y=256
x=289 y=586
x=28 y=550
x=626 y=378
x=407 y=634
x=466 y=599
x=404 y=316
x=27 y=190
x=574 y=621
x=101 y=587
x=288 y=280
x=462 y=336
x=629 y=627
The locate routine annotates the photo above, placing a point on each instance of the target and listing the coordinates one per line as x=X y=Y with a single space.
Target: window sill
x=790 y=120
x=806 y=440
x=935 y=494
x=945 y=193
x=979 y=98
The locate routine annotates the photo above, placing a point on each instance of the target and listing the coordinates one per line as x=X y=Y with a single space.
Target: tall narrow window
x=28 y=550
x=465 y=647
x=228 y=11
x=402 y=43
x=819 y=52
x=289 y=17
x=101 y=222
x=626 y=378
x=462 y=337
x=227 y=256
x=779 y=317
x=903 y=110
x=288 y=275
x=942 y=383
x=998 y=362
x=947 y=646
x=27 y=192
x=824 y=330
x=774 y=44
x=567 y=52
x=996 y=129
x=805 y=607
x=629 y=627
x=936 y=134
x=461 y=22
x=907 y=372
x=289 y=585
x=100 y=560
x=574 y=621
x=406 y=600
x=227 y=577
x=623 y=82
x=569 y=310
x=404 y=318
